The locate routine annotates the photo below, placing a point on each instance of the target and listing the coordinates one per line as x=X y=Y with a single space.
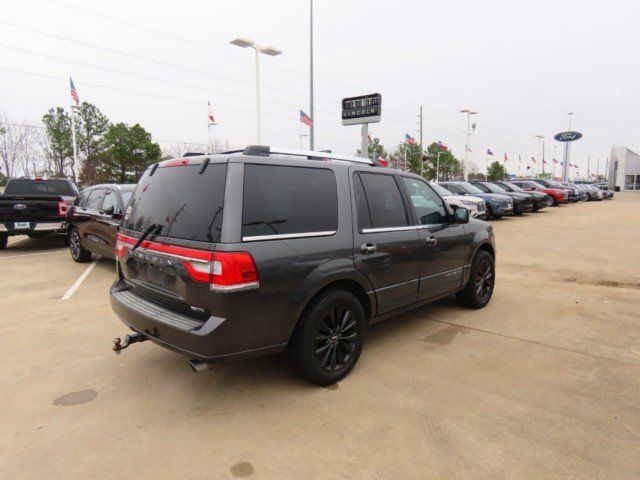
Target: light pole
x=465 y=167
x=540 y=137
x=312 y=136
x=272 y=52
x=567 y=154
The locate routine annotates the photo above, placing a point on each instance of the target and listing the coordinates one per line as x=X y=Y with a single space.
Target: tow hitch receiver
x=119 y=345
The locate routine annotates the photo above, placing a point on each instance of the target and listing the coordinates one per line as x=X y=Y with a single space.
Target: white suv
x=476 y=206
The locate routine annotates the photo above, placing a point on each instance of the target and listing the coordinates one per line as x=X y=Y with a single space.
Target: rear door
x=107 y=221
x=387 y=246
x=87 y=221
x=444 y=243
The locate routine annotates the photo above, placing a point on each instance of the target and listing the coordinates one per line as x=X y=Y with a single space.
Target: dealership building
x=624 y=169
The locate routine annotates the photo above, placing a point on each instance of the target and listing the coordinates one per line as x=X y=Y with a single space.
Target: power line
x=146 y=77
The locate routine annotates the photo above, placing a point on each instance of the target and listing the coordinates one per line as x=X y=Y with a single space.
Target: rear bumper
x=33 y=227
x=210 y=340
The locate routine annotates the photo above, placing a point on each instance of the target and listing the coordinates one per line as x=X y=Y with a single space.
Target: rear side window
x=364 y=217
x=182 y=202
x=385 y=201
x=94 y=200
x=280 y=200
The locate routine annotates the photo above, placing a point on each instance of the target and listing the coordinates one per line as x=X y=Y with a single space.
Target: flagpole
x=209 y=138
x=73 y=140
x=300 y=131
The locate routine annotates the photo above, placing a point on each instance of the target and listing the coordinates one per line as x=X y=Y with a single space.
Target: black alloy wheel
x=329 y=337
x=484 y=280
x=78 y=253
x=336 y=338
x=479 y=288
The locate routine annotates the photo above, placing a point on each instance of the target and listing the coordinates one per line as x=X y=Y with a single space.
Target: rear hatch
x=35 y=200
x=179 y=204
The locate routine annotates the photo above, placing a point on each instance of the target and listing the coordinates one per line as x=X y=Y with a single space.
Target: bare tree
x=14 y=143
x=178 y=149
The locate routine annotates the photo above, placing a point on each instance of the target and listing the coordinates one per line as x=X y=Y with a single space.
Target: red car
x=558 y=196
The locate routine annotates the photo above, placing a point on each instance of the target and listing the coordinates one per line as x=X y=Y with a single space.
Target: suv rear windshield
x=27 y=186
x=181 y=201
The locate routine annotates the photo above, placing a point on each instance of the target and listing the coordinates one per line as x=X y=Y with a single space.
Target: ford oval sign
x=567 y=136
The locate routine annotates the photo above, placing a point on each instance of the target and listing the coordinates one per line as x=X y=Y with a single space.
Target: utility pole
x=421 y=164
x=588 y=167
x=598 y=168
x=465 y=167
x=311 y=131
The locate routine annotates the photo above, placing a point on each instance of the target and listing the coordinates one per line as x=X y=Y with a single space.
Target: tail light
x=121 y=245
x=63 y=208
x=223 y=271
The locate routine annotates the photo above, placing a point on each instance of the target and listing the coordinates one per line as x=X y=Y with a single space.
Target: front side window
x=281 y=200
x=454 y=189
x=111 y=200
x=385 y=201
x=482 y=187
x=427 y=204
x=94 y=200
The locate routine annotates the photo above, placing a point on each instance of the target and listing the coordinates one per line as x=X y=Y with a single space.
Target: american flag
x=533 y=160
x=306 y=119
x=489 y=152
x=555 y=161
x=409 y=139
x=505 y=157
x=74 y=92
x=210 y=114
x=442 y=146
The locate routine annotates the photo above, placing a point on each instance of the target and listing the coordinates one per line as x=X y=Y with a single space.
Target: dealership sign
x=567 y=136
x=362 y=109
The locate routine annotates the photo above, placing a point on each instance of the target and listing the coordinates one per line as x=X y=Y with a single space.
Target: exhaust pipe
x=199 y=365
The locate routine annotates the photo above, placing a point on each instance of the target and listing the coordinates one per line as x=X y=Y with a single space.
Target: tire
x=4 y=239
x=78 y=253
x=479 y=288
x=328 y=338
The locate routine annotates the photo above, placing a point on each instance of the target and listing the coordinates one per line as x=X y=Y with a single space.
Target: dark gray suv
x=261 y=251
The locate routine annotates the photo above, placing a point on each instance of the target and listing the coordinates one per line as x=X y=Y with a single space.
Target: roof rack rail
x=265 y=151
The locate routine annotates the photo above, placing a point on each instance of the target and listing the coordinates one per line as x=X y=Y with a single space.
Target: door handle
x=368 y=248
x=431 y=240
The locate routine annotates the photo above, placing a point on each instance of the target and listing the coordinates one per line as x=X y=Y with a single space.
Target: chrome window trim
x=285 y=236
x=398 y=229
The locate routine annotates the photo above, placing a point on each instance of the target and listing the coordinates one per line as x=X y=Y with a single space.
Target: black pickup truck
x=35 y=207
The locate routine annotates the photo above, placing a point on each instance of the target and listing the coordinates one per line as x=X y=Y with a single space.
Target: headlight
x=468 y=202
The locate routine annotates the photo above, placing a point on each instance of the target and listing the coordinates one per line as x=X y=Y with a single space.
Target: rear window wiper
x=146 y=233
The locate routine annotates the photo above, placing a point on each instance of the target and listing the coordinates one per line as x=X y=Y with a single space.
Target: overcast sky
x=521 y=65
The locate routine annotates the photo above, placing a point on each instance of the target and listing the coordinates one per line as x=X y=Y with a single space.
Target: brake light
x=121 y=245
x=63 y=208
x=180 y=162
x=224 y=271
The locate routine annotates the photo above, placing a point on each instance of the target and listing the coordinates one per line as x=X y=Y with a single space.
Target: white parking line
x=79 y=281
x=37 y=253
